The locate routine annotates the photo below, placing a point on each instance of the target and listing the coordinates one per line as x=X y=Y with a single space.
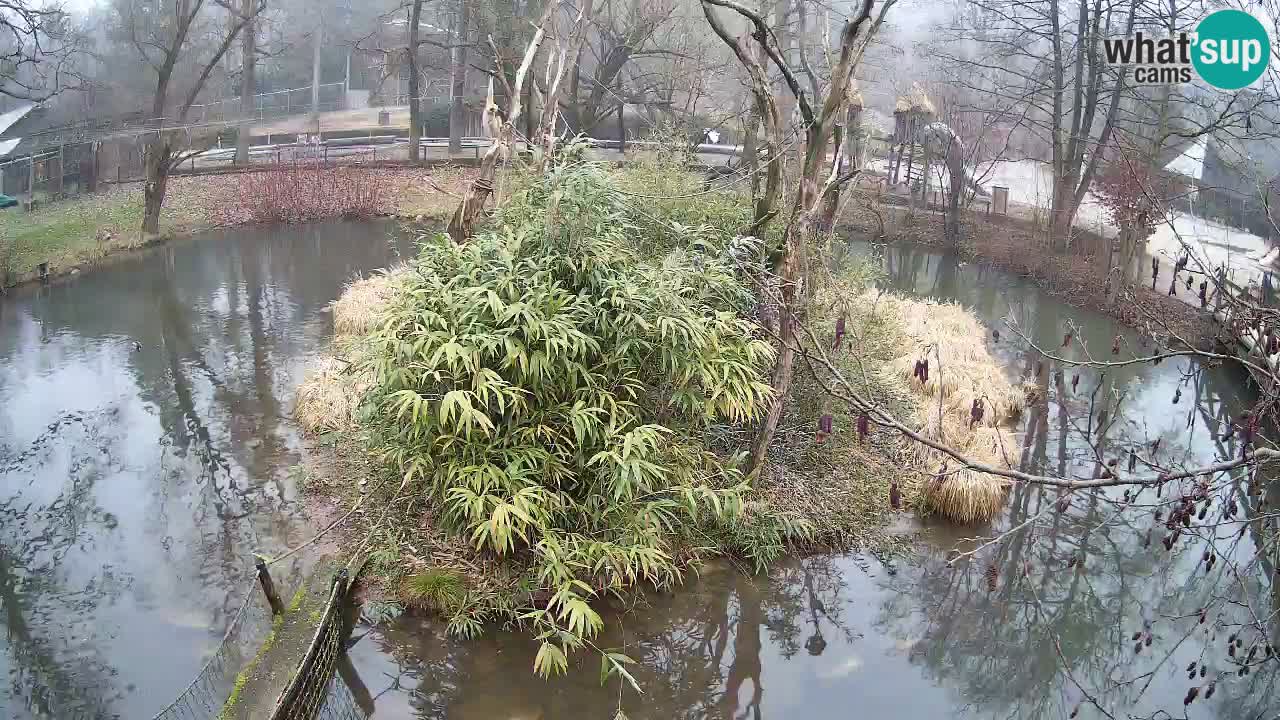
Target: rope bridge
x=314 y=691
x=307 y=692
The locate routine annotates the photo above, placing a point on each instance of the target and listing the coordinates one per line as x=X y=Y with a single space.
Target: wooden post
x=268 y=587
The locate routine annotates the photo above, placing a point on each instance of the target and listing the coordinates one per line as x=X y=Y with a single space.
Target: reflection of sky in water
x=134 y=485
x=843 y=636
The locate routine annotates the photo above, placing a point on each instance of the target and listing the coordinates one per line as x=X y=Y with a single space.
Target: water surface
x=136 y=481
x=145 y=454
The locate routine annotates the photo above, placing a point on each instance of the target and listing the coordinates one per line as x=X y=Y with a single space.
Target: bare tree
x=415 y=102
x=501 y=128
x=248 y=63
x=623 y=34
x=823 y=128
x=557 y=64
x=458 y=76
x=186 y=44
x=1036 y=54
x=37 y=50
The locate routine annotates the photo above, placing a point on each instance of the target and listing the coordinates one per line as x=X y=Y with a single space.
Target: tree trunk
x=458 y=78
x=1063 y=212
x=750 y=155
x=248 y=63
x=462 y=224
x=157 y=179
x=415 y=105
x=789 y=290
x=557 y=64
x=786 y=101
x=954 y=191
x=1124 y=272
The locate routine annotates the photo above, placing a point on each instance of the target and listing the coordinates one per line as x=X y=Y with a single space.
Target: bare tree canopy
x=37 y=50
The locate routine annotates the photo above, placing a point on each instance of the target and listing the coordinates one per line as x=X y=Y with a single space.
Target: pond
x=135 y=482
x=145 y=454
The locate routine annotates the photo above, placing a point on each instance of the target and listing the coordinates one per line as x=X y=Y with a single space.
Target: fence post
x=268 y=586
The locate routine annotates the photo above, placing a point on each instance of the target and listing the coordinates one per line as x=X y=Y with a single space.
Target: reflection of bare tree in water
x=1032 y=626
x=46 y=679
x=698 y=652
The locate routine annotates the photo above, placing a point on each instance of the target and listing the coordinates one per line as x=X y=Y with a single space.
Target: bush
x=548 y=386
x=307 y=191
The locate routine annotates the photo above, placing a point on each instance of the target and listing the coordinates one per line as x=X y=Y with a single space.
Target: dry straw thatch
x=357 y=311
x=960 y=367
x=330 y=394
x=965 y=373
x=915 y=101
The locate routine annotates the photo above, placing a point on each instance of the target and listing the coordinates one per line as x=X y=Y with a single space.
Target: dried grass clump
x=967 y=372
x=966 y=496
x=330 y=396
x=963 y=495
x=359 y=310
x=960 y=368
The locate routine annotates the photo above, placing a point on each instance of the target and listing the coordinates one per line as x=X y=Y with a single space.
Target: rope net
x=204 y=697
x=314 y=684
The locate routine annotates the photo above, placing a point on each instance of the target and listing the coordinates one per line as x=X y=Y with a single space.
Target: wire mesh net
x=313 y=683
x=203 y=699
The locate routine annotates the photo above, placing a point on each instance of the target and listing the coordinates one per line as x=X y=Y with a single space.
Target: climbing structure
x=911 y=114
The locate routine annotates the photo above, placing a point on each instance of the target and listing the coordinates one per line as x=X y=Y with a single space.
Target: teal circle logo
x=1231 y=49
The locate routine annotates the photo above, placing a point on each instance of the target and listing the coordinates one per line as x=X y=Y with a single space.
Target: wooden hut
x=911 y=112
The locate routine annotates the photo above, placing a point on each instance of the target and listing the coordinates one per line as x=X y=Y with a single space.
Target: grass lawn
x=66 y=234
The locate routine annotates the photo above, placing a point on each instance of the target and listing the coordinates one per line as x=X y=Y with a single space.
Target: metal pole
x=622 y=130
x=315 y=70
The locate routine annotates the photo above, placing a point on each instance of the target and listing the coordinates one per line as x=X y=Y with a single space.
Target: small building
x=911 y=113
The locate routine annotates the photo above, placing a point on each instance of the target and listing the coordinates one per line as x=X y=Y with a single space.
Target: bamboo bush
x=546 y=386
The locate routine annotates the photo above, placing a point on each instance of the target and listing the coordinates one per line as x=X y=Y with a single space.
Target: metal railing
x=279 y=103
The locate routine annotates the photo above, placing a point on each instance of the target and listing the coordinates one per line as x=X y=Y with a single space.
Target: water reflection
x=1028 y=628
x=144 y=454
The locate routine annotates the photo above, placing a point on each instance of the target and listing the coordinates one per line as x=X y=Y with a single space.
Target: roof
x=915 y=101
x=1191 y=161
x=8 y=120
